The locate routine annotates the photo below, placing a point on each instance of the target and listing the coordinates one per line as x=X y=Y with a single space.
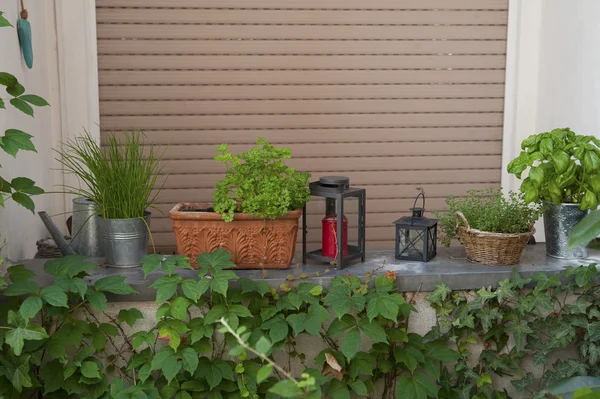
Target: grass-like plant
x=118 y=176
x=488 y=210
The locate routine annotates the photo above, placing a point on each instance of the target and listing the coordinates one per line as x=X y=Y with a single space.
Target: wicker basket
x=491 y=248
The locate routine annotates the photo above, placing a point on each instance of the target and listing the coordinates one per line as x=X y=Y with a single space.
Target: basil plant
x=564 y=167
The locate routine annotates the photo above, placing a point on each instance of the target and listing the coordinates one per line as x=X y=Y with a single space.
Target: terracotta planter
x=254 y=242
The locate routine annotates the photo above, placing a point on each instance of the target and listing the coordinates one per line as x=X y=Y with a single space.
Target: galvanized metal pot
x=125 y=240
x=86 y=232
x=559 y=220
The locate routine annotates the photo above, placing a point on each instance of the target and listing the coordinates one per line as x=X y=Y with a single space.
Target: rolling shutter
x=395 y=94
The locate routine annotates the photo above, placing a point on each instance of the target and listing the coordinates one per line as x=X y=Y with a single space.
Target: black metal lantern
x=416 y=235
x=335 y=248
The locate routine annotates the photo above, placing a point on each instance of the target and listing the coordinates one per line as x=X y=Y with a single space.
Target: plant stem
x=264 y=357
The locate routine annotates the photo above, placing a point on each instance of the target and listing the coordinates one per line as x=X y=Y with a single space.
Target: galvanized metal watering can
x=86 y=239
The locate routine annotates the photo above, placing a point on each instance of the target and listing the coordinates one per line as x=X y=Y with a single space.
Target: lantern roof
x=412 y=221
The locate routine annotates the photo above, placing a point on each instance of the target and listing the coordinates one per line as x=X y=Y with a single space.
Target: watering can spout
x=57 y=236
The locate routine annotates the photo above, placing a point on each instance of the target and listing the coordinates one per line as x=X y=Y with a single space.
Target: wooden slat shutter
x=395 y=94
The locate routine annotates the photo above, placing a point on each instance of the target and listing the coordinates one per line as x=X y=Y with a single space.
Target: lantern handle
x=457 y=215
x=421 y=194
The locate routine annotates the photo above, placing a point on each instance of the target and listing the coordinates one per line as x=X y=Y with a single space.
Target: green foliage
x=515 y=322
x=19 y=189
x=217 y=336
x=586 y=230
x=121 y=177
x=564 y=167
x=488 y=210
x=259 y=183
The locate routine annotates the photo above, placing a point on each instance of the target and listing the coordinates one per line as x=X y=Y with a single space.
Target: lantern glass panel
x=411 y=243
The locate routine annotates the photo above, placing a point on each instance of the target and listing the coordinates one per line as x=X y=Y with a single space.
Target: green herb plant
x=258 y=182
x=488 y=210
x=121 y=176
x=563 y=167
x=19 y=189
x=219 y=336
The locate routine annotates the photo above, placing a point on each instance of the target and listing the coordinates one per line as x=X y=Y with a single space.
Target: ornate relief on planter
x=254 y=242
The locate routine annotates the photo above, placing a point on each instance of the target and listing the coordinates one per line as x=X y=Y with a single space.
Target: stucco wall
x=19 y=227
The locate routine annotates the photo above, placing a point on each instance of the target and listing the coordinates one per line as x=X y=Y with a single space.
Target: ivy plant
x=563 y=167
x=216 y=335
x=258 y=182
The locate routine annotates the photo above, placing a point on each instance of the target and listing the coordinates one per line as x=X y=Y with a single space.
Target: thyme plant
x=488 y=210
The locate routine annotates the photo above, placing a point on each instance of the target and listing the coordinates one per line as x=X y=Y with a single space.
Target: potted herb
x=120 y=177
x=255 y=210
x=563 y=174
x=493 y=228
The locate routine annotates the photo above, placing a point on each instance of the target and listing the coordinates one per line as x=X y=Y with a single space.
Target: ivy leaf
x=129 y=316
x=286 y=389
x=52 y=375
x=89 y=369
x=21 y=105
x=350 y=343
x=372 y=330
x=409 y=356
x=361 y=364
x=194 y=289
x=114 y=285
x=24 y=201
x=142 y=337
x=519 y=329
x=583 y=274
x=339 y=299
x=387 y=306
x=25 y=185
x=505 y=290
x=19 y=375
x=15 y=140
x=19 y=273
x=6 y=79
x=22 y=288
x=263 y=373
x=97 y=300
x=30 y=307
x=277 y=327
x=34 y=100
x=151 y=263
x=166 y=287
x=22 y=332
x=517 y=280
x=144 y=372
x=54 y=296
x=199 y=329
x=440 y=294
x=189 y=360
x=179 y=307
x=218 y=258
x=4 y=23
x=438 y=351
x=416 y=387
x=544 y=282
x=341 y=325
x=359 y=387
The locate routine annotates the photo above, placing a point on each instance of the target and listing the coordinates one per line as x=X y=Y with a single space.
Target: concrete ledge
x=449 y=267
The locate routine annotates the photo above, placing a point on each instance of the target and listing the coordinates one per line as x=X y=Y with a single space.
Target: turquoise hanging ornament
x=24 y=32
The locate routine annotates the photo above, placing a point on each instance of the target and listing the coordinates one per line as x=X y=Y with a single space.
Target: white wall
x=18 y=226
x=553 y=73
x=65 y=74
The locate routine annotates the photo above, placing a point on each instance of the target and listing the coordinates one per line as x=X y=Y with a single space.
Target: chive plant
x=121 y=176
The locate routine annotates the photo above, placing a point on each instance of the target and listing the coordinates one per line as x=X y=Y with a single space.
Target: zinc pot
x=125 y=241
x=559 y=220
x=255 y=243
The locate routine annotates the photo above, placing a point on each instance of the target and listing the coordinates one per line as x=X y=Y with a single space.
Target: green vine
x=19 y=189
x=220 y=336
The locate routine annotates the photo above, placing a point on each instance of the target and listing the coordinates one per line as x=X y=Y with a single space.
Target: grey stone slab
x=449 y=267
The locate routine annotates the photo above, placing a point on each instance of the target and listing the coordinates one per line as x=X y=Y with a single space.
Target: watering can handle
x=57 y=236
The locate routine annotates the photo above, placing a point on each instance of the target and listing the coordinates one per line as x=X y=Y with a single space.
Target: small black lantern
x=416 y=235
